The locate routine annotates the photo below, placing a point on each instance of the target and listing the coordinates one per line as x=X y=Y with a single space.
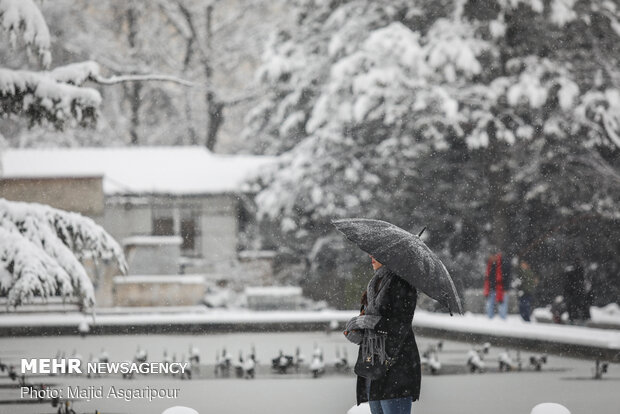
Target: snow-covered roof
x=139 y=170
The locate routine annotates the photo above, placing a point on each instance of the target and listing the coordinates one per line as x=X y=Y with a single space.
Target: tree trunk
x=214 y=106
x=498 y=182
x=135 y=101
x=191 y=131
x=214 y=119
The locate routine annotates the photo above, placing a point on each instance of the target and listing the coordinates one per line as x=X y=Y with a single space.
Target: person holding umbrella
x=382 y=329
x=388 y=366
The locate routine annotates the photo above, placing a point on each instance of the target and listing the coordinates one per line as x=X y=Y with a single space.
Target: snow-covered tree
x=59 y=97
x=221 y=40
x=41 y=247
x=218 y=55
x=471 y=116
x=40 y=252
x=55 y=96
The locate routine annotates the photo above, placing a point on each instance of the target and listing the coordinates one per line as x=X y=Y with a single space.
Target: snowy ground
x=566 y=381
x=606 y=316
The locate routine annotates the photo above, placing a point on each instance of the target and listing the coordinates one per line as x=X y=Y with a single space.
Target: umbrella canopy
x=406 y=255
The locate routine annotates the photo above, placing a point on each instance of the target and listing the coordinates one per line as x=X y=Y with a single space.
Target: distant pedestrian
x=527 y=283
x=575 y=292
x=507 y=283
x=496 y=285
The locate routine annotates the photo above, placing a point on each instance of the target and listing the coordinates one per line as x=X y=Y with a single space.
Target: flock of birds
x=477 y=360
x=505 y=362
x=298 y=363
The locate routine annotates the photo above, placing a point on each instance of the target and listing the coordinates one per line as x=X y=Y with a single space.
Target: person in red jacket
x=494 y=286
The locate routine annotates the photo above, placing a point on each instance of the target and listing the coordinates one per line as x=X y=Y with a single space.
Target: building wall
x=217 y=223
x=82 y=195
x=216 y=220
x=171 y=290
x=219 y=237
x=256 y=269
x=219 y=228
x=123 y=220
x=152 y=255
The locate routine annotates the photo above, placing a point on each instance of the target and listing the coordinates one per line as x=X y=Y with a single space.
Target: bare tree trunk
x=136 y=102
x=191 y=131
x=136 y=87
x=214 y=106
x=498 y=183
x=215 y=117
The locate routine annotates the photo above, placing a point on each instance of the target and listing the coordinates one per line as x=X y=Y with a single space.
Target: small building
x=187 y=196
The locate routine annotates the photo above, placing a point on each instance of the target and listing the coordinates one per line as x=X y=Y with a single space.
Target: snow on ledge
x=160 y=279
x=518 y=329
x=152 y=240
x=153 y=318
x=273 y=291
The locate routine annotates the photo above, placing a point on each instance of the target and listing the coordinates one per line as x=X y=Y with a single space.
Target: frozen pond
x=566 y=381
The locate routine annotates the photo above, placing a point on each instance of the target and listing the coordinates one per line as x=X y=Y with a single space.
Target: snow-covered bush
x=40 y=252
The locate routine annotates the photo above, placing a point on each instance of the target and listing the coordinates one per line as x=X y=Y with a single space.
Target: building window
x=163 y=226
x=190 y=232
x=162 y=223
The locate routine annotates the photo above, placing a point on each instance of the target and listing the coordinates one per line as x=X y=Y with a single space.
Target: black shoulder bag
x=373 y=368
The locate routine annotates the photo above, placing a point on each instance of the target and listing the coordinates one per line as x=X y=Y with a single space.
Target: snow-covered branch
x=40 y=252
x=57 y=96
x=602 y=109
x=25 y=17
x=137 y=78
x=42 y=96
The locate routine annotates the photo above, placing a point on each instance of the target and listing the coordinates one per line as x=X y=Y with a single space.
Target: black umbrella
x=406 y=255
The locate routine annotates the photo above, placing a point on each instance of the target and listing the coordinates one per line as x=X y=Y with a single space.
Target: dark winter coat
x=403 y=378
x=575 y=293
